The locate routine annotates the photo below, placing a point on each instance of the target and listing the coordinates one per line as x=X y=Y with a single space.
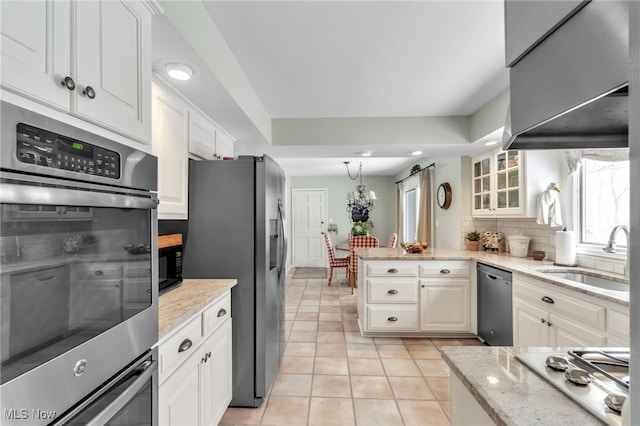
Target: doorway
x=309 y=226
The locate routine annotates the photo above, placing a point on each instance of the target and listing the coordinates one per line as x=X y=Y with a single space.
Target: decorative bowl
x=537 y=255
x=137 y=248
x=414 y=247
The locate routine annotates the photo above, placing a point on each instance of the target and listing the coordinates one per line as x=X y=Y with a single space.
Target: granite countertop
x=183 y=301
x=525 y=266
x=509 y=392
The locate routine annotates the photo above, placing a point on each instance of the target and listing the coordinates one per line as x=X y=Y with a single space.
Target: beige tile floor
x=332 y=375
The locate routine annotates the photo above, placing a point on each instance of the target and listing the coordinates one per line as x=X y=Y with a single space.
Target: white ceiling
x=355 y=59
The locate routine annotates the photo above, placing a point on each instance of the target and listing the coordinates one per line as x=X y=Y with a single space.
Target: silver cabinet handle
x=392 y=271
x=547 y=299
x=68 y=83
x=542 y=320
x=445 y=271
x=89 y=92
x=392 y=319
x=99 y=273
x=186 y=344
x=392 y=292
x=222 y=312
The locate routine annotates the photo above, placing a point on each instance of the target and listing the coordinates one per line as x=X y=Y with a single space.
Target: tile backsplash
x=542 y=238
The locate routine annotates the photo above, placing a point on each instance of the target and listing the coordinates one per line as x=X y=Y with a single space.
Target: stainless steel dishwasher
x=495 y=314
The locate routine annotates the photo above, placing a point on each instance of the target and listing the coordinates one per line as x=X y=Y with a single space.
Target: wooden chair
x=358 y=241
x=335 y=262
x=392 y=240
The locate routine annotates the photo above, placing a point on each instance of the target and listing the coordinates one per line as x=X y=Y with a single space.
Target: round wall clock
x=444 y=195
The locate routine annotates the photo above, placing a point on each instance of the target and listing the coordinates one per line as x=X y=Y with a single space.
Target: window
x=604 y=200
x=410 y=215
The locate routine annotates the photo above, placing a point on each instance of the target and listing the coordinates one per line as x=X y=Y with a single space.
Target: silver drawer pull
x=99 y=273
x=186 y=344
x=547 y=299
x=445 y=271
x=222 y=312
x=392 y=319
x=392 y=271
x=392 y=292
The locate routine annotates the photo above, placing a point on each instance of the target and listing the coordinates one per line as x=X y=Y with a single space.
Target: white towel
x=549 y=208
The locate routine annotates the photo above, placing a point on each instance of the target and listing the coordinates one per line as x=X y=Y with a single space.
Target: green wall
x=383 y=217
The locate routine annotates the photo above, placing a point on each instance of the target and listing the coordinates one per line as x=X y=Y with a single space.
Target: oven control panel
x=48 y=149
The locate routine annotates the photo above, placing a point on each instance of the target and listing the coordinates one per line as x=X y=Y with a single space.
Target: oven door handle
x=27 y=194
x=124 y=398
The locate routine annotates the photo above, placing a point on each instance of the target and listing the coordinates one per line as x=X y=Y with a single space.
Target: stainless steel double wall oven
x=78 y=289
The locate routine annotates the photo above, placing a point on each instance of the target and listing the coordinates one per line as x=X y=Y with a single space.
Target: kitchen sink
x=588 y=278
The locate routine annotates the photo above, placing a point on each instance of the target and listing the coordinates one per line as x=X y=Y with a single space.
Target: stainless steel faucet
x=611 y=245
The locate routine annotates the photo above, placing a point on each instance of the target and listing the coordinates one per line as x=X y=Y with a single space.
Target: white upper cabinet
x=91 y=59
x=169 y=143
x=202 y=136
x=508 y=183
x=206 y=140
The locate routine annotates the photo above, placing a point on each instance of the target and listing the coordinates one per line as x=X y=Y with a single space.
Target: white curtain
x=400 y=211
x=574 y=157
x=424 y=210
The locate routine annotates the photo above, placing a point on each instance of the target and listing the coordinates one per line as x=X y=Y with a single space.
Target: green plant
x=359 y=228
x=473 y=236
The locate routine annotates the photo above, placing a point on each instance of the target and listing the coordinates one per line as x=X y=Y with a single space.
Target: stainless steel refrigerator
x=236 y=230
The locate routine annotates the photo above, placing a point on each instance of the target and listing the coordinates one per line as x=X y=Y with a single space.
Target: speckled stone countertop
x=184 y=300
x=525 y=266
x=508 y=391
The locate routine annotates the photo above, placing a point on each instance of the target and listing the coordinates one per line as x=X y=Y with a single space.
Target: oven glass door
x=74 y=264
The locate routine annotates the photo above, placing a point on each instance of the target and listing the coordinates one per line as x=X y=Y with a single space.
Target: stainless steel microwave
x=169 y=260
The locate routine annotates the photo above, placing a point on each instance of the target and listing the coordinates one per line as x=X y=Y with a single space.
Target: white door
x=309 y=217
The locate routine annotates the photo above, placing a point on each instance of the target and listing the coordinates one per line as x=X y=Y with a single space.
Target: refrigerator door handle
x=283 y=259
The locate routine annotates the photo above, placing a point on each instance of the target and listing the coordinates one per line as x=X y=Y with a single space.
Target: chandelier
x=360 y=201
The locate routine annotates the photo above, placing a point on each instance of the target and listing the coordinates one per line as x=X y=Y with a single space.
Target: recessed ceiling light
x=490 y=143
x=416 y=152
x=178 y=71
x=366 y=153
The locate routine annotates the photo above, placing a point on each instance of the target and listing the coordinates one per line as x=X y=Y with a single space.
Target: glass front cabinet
x=497 y=184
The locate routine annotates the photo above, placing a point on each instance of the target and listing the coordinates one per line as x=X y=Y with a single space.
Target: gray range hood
x=571 y=91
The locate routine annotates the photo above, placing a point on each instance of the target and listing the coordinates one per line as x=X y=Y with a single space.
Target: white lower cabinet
x=547 y=315
x=196 y=368
x=414 y=297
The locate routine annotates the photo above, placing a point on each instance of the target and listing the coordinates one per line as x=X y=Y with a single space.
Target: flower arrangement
x=359 y=228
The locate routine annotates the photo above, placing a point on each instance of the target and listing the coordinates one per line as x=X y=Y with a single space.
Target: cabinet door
x=481 y=186
x=35 y=41
x=101 y=301
x=113 y=57
x=179 y=395
x=224 y=145
x=202 y=136
x=444 y=305
x=215 y=391
x=509 y=190
x=530 y=324
x=169 y=144
x=566 y=333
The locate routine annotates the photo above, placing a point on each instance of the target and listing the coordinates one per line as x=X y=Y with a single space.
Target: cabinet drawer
x=142 y=270
x=216 y=314
x=383 y=290
x=445 y=269
x=393 y=318
x=392 y=269
x=101 y=270
x=176 y=349
x=554 y=302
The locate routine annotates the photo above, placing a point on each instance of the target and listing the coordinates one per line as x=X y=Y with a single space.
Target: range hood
x=571 y=91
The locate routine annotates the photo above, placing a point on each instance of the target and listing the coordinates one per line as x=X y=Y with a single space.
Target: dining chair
x=358 y=241
x=392 y=240
x=335 y=262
